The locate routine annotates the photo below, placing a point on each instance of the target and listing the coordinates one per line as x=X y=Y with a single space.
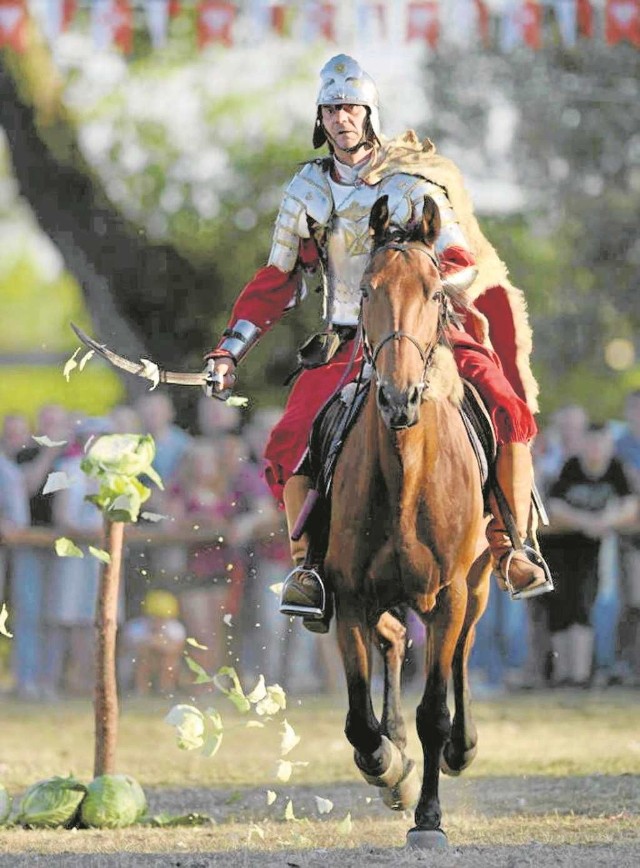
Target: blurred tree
x=573 y=142
x=158 y=277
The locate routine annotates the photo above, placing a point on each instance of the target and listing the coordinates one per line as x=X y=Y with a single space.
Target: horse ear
x=379 y=220
x=430 y=221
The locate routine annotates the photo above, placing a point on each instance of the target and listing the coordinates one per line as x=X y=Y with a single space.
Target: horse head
x=403 y=310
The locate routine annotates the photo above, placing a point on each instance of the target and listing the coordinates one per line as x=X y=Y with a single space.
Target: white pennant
x=157 y=12
x=567 y=18
x=9 y=17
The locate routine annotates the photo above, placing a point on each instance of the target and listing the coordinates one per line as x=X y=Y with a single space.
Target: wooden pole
x=106 y=688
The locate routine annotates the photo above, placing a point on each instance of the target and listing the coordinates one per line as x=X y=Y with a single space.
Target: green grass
x=553 y=734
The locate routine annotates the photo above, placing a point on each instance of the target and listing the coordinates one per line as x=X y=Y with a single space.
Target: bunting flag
x=622 y=21
x=585 y=18
x=13 y=22
x=158 y=13
x=215 y=22
x=112 y=24
x=482 y=12
x=465 y=22
x=268 y=17
x=521 y=25
x=423 y=22
x=371 y=22
x=174 y=8
x=318 y=22
x=574 y=18
x=281 y=18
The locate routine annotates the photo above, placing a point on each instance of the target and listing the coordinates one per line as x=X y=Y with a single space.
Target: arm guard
x=237 y=340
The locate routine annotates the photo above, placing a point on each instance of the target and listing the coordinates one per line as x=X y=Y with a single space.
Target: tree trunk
x=144 y=299
x=106 y=689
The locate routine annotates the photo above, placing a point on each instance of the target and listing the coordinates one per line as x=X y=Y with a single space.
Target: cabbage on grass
x=52 y=802
x=112 y=801
x=5 y=805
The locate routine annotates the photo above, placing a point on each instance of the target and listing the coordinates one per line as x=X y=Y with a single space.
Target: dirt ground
x=614 y=800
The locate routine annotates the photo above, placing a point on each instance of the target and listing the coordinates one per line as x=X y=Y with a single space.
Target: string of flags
x=517 y=23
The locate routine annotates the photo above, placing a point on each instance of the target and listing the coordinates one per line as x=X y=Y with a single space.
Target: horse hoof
x=455 y=770
x=406 y=792
x=426 y=839
x=394 y=763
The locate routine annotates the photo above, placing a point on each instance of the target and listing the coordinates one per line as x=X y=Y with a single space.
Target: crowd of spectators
x=204 y=572
x=203 y=579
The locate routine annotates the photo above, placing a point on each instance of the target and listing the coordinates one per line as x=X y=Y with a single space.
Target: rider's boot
x=303 y=591
x=522 y=572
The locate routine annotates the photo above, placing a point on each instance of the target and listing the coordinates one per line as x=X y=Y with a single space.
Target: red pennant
x=280 y=18
x=483 y=20
x=174 y=8
x=623 y=21
x=585 y=18
x=215 y=22
x=122 y=25
x=423 y=22
x=321 y=20
x=69 y=9
x=531 y=21
x=13 y=21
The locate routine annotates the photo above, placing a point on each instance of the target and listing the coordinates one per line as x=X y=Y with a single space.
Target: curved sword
x=149 y=370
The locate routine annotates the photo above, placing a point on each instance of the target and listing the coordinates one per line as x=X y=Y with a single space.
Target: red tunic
x=265 y=300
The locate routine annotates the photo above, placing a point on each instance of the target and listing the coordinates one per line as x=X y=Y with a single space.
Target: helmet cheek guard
x=319 y=135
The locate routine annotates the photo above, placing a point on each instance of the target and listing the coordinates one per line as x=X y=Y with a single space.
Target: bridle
x=426 y=353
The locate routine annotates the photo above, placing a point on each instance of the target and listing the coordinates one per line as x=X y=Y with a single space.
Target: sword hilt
x=215 y=378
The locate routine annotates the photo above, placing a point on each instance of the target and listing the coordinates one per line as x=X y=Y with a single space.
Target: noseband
x=426 y=353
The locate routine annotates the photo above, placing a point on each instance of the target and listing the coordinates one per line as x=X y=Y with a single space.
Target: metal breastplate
x=348 y=248
x=349 y=242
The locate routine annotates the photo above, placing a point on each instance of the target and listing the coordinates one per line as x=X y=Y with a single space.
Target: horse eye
x=365 y=291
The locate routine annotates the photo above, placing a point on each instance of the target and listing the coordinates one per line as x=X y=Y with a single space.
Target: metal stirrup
x=306 y=611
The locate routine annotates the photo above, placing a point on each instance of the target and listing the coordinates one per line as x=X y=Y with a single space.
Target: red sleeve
x=271 y=292
x=454 y=259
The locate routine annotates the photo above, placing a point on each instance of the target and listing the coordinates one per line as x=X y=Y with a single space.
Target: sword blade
x=180 y=378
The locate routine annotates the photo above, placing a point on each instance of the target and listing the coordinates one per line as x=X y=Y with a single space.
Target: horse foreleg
x=432 y=718
x=461 y=747
x=392 y=634
x=378 y=759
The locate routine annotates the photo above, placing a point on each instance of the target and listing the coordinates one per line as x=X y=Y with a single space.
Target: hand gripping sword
x=150 y=371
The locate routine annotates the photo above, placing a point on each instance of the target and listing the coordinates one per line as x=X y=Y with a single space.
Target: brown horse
x=407 y=527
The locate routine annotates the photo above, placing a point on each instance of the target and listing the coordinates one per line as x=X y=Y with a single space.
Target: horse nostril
x=382 y=397
x=414 y=395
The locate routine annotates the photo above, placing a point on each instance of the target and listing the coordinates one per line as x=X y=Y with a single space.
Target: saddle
x=338 y=416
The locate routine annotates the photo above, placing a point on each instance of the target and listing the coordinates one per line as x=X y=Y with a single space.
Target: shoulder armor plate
x=308 y=194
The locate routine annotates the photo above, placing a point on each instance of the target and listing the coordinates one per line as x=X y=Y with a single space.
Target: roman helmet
x=343 y=80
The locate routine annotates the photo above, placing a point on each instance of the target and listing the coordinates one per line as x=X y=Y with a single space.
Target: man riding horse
x=323 y=223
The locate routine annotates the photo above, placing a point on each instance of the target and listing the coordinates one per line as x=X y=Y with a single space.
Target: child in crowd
x=153 y=644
